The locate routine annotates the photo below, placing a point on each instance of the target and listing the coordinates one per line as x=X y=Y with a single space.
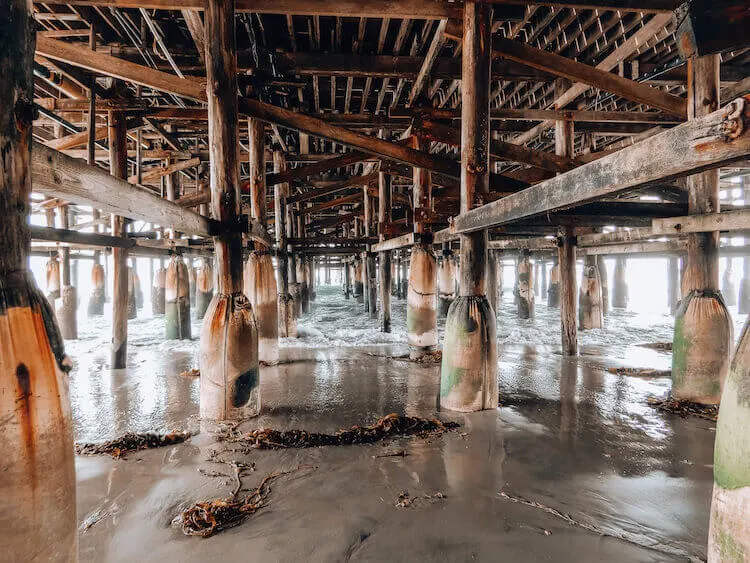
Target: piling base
x=230 y=378
x=158 y=304
x=444 y=304
x=468 y=375
x=590 y=298
x=743 y=304
x=260 y=289
x=729 y=529
x=96 y=299
x=202 y=301
x=177 y=301
x=421 y=317
x=701 y=347
x=287 y=316
x=132 y=307
x=36 y=436
x=67 y=312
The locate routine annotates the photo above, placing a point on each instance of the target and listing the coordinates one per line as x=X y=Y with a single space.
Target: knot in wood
x=475 y=168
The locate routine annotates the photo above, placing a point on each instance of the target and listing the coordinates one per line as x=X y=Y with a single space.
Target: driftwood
x=685 y=408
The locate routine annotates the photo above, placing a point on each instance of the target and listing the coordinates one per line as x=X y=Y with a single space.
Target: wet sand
x=568 y=435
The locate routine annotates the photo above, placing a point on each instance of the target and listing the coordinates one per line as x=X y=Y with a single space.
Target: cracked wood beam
x=160 y=171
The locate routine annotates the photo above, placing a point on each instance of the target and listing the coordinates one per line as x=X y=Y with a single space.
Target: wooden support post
x=743 y=304
x=286 y=307
x=158 y=290
x=38 y=475
x=525 y=277
x=132 y=307
x=729 y=533
x=553 y=289
x=446 y=280
x=118 y=167
x=620 y=282
x=603 y=278
x=385 y=209
x=468 y=378
x=567 y=268
x=192 y=278
x=703 y=330
x=728 y=289
x=230 y=379
x=543 y=278
x=260 y=281
x=590 y=311
x=204 y=288
x=347 y=281
x=67 y=308
x=177 y=300
x=564 y=146
x=491 y=283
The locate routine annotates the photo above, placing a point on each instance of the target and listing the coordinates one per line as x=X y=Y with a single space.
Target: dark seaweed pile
x=132 y=442
x=388 y=426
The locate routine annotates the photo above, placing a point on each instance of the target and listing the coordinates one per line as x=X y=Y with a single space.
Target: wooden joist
x=707 y=142
x=394 y=243
x=308 y=170
x=195 y=89
x=57 y=175
x=710 y=222
x=580 y=72
x=160 y=171
x=523 y=114
x=337 y=187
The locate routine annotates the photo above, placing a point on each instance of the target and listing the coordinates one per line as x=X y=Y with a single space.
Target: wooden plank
x=394 y=243
x=160 y=171
x=58 y=175
x=333 y=203
x=580 y=72
x=688 y=148
x=660 y=247
x=77 y=237
x=429 y=60
x=726 y=221
x=76 y=139
x=523 y=114
x=107 y=65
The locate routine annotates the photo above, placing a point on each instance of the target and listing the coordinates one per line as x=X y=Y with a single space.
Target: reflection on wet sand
x=568 y=434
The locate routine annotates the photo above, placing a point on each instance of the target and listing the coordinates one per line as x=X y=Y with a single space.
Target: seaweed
x=131 y=442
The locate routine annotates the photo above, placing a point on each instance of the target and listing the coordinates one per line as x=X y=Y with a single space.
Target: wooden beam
x=333 y=203
x=194 y=89
x=107 y=65
x=580 y=72
x=57 y=175
x=76 y=139
x=502 y=114
x=429 y=60
x=195 y=27
x=300 y=172
x=498 y=149
x=160 y=171
x=709 y=222
x=170 y=139
x=394 y=243
x=77 y=237
x=320 y=192
x=708 y=142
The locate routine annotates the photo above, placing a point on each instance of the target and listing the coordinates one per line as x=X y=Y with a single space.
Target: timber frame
x=341 y=95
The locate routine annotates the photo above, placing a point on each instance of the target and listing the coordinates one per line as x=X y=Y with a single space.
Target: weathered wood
x=308 y=170
x=568 y=293
x=394 y=243
x=468 y=375
x=337 y=187
x=498 y=149
x=580 y=72
x=526 y=114
x=161 y=171
x=429 y=60
x=384 y=265
x=230 y=377
x=58 y=175
x=36 y=432
x=704 y=143
x=726 y=221
x=343 y=200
